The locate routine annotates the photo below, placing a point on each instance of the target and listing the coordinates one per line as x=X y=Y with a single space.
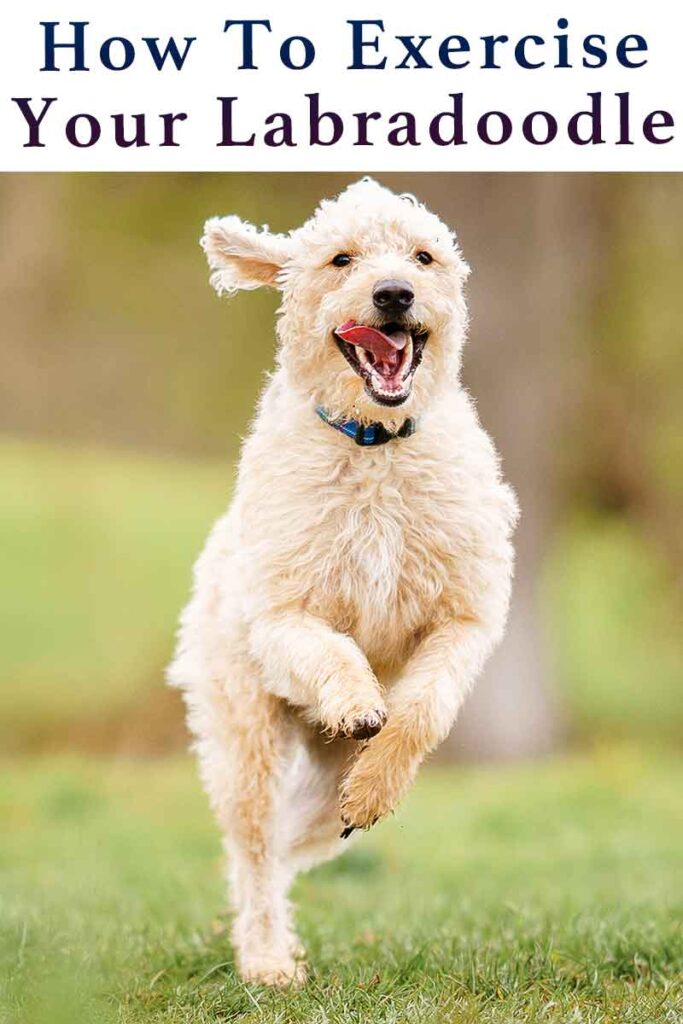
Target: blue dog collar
x=370 y=436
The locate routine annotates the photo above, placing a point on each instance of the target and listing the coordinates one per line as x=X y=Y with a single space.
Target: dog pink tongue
x=381 y=345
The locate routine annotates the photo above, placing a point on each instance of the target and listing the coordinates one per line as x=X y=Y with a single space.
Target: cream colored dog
x=345 y=604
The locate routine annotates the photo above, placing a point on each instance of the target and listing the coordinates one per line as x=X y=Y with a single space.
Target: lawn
x=549 y=892
x=97 y=550
x=516 y=894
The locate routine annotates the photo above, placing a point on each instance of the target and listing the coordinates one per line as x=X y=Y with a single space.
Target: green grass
x=538 y=893
x=97 y=552
x=615 y=611
x=545 y=893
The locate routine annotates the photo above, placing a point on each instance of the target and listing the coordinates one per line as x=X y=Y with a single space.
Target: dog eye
x=342 y=259
x=425 y=258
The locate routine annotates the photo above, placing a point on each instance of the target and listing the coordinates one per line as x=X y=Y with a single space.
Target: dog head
x=373 y=317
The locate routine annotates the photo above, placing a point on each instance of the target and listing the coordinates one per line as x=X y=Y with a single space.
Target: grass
x=615 y=610
x=545 y=893
x=97 y=553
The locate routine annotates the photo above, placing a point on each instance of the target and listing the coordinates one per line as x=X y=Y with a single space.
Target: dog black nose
x=393 y=296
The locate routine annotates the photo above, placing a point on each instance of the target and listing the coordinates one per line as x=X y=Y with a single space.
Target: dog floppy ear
x=241 y=256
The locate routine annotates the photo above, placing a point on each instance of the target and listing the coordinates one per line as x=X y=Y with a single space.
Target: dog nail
x=347 y=831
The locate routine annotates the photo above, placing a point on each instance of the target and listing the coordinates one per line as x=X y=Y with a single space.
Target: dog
x=347 y=601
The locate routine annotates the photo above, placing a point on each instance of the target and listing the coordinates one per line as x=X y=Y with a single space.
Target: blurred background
x=126 y=386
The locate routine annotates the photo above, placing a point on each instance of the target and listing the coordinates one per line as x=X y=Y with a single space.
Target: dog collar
x=370 y=436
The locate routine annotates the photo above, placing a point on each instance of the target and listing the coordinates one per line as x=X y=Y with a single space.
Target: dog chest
x=384 y=561
x=380 y=543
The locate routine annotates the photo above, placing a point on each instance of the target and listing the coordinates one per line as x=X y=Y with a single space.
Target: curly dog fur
x=348 y=592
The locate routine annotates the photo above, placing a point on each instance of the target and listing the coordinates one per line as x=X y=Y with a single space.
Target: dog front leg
x=422 y=707
x=321 y=671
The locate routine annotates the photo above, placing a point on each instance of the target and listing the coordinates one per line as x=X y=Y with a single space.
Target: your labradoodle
x=346 y=602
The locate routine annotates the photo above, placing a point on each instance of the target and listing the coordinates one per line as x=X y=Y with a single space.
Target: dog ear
x=241 y=256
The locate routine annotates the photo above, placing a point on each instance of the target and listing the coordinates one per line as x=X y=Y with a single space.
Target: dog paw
x=351 y=708
x=277 y=973
x=365 y=726
x=359 y=816
x=363 y=802
x=376 y=782
x=296 y=947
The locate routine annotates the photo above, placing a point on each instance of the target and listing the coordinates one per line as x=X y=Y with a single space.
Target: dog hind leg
x=243 y=740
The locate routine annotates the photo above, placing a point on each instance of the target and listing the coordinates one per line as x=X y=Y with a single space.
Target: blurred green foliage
x=637 y=357
x=97 y=555
x=615 y=621
x=98 y=548
x=113 y=333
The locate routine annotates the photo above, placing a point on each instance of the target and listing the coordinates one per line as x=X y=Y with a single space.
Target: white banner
x=431 y=86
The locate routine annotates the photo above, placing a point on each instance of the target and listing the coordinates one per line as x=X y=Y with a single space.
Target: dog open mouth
x=385 y=358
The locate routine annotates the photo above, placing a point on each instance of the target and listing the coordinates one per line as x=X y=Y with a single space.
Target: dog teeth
x=366 y=360
x=407 y=361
